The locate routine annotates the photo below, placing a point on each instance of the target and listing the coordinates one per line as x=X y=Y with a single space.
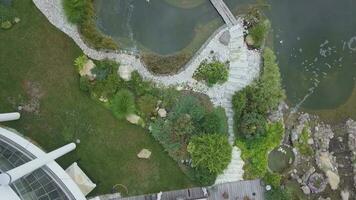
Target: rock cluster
x=351 y=130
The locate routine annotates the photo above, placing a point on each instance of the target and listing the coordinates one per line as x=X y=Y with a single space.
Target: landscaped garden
x=37 y=73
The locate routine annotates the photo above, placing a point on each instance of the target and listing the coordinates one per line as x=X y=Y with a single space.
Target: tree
x=123 y=104
x=80 y=62
x=210 y=151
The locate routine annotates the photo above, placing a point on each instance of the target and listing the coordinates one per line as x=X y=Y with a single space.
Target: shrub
x=215 y=122
x=252 y=125
x=270 y=92
x=210 y=151
x=139 y=86
x=104 y=68
x=75 y=10
x=123 y=104
x=254 y=152
x=183 y=128
x=272 y=179
x=147 y=104
x=80 y=62
x=212 y=73
x=204 y=177
x=259 y=32
x=239 y=102
x=278 y=194
x=188 y=105
x=170 y=97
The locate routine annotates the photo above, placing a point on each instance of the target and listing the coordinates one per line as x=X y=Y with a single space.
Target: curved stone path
x=244 y=68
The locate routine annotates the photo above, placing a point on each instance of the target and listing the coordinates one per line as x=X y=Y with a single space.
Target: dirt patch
x=34 y=94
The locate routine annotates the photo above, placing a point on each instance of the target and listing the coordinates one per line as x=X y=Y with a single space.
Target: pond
x=315 y=42
x=280 y=159
x=156 y=25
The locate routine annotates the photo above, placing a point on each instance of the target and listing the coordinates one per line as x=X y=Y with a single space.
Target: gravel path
x=244 y=68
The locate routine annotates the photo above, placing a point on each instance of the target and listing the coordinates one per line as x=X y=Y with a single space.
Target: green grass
x=34 y=51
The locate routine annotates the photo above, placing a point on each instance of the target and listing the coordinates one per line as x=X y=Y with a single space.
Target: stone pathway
x=244 y=68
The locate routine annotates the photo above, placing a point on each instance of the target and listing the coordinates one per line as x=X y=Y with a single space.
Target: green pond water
x=312 y=39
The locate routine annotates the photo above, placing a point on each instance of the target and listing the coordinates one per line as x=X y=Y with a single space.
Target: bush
x=215 y=122
x=210 y=151
x=104 y=68
x=254 y=152
x=188 y=105
x=183 y=128
x=147 y=104
x=80 y=62
x=212 y=73
x=270 y=92
x=123 y=104
x=252 y=125
x=258 y=33
x=75 y=10
x=204 y=177
x=272 y=179
x=278 y=194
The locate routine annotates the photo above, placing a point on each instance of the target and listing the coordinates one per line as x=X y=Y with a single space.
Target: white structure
x=9 y=116
x=80 y=178
x=28 y=173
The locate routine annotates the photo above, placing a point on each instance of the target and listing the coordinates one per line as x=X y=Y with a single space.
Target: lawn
x=36 y=71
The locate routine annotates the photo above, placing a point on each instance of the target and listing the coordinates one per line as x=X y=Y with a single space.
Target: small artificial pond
x=280 y=159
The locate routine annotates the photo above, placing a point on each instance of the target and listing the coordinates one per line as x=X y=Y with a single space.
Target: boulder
x=225 y=38
x=249 y=40
x=306 y=190
x=6 y=25
x=325 y=161
x=345 y=195
x=133 y=119
x=17 y=20
x=125 y=72
x=86 y=70
x=144 y=154
x=162 y=112
x=333 y=179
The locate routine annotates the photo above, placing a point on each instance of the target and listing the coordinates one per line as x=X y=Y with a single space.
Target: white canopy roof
x=80 y=178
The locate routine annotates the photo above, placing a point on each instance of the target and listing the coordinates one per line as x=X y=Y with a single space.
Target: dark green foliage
x=104 y=68
x=254 y=152
x=215 y=122
x=258 y=32
x=239 y=102
x=212 y=73
x=188 y=105
x=183 y=128
x=123 y=104
x=141 y=87
x=169 y=96
x=75 y=10
x=84 y=84
x=270 y=92
x=278 y=194
x=252 y=125
x=210 y=151
x=147 y=104
x=204 y=177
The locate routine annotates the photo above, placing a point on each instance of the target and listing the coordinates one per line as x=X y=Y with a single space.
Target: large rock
x=162 y=112
x=351 y=130
x=305 y=189
x=326 y=161
x=125 y=72
x=86 y=70
x=144 y=154
x=133 y=119
x=345 y=195
x=322 y=136
x=333 y=179
x=225 y=38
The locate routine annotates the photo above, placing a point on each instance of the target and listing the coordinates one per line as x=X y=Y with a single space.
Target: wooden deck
x=224 y=12
x=235 y=191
